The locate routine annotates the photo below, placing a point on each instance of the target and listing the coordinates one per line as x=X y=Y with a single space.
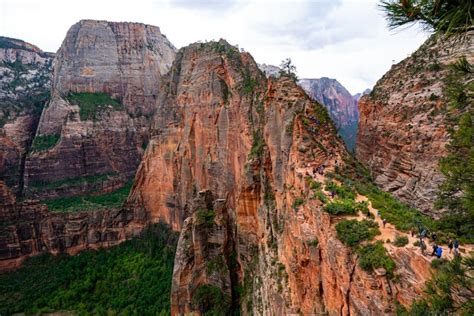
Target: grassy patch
x=90 y=104
x=248 y=82
x=298 y=202
x=44 y=142
x=133 y=278
x=258 y=145
x=353 y=232
x=113 y=199
x=374 y=256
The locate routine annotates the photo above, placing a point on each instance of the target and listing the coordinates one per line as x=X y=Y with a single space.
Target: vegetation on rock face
x=457 y=192
x=210 y=300
x=133 y=278
x=205 y=217
x=44 y=142
x=44 y=185
x=341 y=207
x=441 y=16
x=92 y=103
x=400 y=241
x=90 y=202
x=374 y=256
x=450 y=291
x=353 y=232
x=288 y=69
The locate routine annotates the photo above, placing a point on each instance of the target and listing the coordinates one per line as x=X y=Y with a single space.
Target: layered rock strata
x=93 y=132
x=402 y=131
x=25 y=82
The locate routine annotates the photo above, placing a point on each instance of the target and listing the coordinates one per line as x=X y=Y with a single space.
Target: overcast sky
x=343 y=39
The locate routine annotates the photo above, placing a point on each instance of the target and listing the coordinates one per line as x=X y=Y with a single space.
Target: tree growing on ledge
x=288 y=69
x=440 y=16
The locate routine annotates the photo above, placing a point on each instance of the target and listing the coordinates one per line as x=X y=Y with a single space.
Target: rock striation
x=402 y=131
x=93 y=132
x=341 y=105
x=25 y=82
x=28 y=229
x=227 y=166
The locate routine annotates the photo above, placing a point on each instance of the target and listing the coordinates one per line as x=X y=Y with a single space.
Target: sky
x=343 y=39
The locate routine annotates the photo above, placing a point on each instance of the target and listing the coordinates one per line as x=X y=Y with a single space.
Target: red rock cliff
x=402 y=131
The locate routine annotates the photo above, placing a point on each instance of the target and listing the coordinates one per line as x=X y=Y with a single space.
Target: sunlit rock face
x=402 y=130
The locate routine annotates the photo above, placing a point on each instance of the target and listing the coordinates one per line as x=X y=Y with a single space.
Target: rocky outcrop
x=93 y=132
x=25 y=82
x=402 y=131
x=28 y=229
x=228 y=166
x=341 y=105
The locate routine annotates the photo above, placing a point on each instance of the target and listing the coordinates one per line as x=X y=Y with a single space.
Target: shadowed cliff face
x=227 y=166
x=402 y=131
x=341 y=105
x=105 y=83
x=25 y=82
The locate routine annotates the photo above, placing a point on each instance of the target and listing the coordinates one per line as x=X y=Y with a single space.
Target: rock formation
x=28 y=228
x=402 y=130
x=92 y=134
x=25 y=81
x=228 y=166
x=341 y=105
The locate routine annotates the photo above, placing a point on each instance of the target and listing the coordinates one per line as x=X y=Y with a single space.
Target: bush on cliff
x=353 y=232
x=44 y=142
x=210 y=300
x=91 y=103
x=133 y=278
x=373 y=256
x=341 y=207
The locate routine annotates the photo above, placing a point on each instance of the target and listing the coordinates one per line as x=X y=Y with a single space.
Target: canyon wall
x=341 y=105
x=228 y=167
x=25 y=82
x=93 y=132
x=28 y=228
x=402 y=130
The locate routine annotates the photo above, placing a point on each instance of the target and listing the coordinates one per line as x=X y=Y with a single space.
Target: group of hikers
x=437 y=249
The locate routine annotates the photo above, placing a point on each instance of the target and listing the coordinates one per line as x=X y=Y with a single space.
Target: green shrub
x=313 y=243
x=205 y=217
x=133 y=278
x=298 y=202
x=210 y=300
x=400 y=241
x=341 y=207
x=342 y=191
x=43 y=185
x=258 y=145
x=113 y=199
x=438 y=263
x=91 y=103
x=320 y=196
x=44 y=142
x=248 y=82
x=373 y=256
x=352 y=232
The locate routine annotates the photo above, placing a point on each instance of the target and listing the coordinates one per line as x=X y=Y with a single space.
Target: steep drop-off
x=402 y=131
x=341 y=105
x=230 y=165
x=25 y=82
x=92 y=134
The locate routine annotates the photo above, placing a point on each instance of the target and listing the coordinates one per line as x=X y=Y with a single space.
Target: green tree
x=440 y=16
x=288 y=69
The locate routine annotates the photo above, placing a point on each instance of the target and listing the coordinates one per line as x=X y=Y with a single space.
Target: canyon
x=229 y=156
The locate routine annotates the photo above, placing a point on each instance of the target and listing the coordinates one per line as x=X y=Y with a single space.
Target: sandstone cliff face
x=341 y=105
x=28 y=229
x=402 y=132
x=227 y=166
x=25 y=81
x=123 y=61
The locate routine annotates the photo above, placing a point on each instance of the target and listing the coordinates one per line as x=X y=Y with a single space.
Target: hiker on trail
x=423 y=233
x=450 y=245
x=439 y=252
x=422 y=247
x=378 y=213
x=456 y=247
x=368 y=212
x=435 y=249
x=433 y=237
x=384 y=222
x=333 y=194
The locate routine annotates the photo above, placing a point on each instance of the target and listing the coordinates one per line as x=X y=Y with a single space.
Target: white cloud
x=343 y=39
